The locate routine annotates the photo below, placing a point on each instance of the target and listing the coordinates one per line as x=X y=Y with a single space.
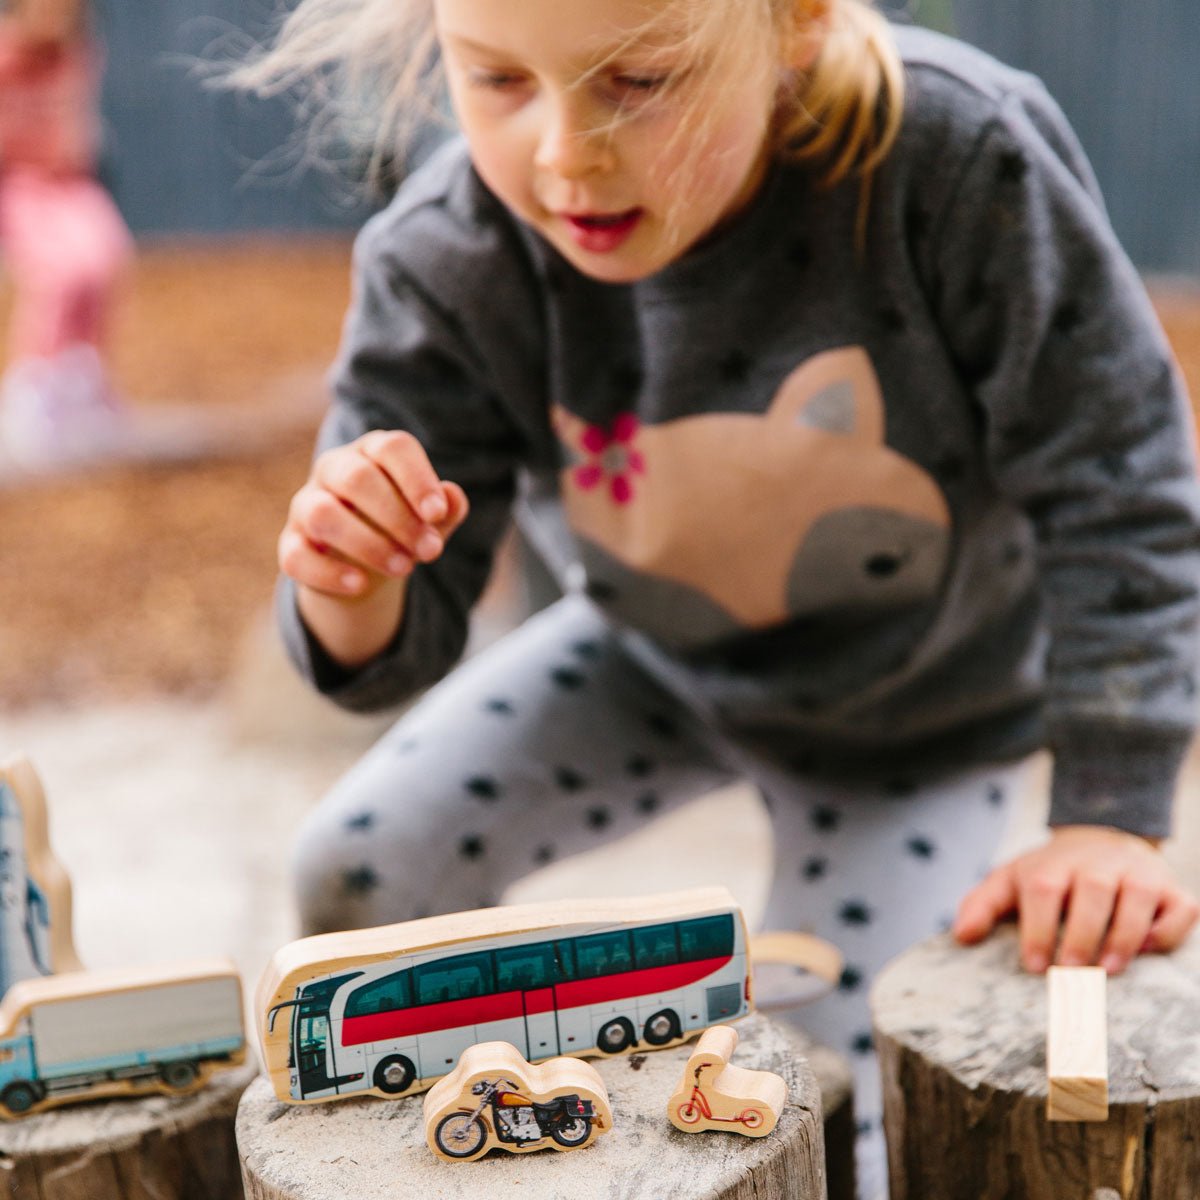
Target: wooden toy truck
x=102 y=1033
x=388 y=1011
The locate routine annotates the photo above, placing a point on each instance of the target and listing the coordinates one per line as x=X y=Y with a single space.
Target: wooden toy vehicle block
x=715 y=1095
x=35 y=905
x=388 y=1011
x=495 y=1099
x=119 y=1032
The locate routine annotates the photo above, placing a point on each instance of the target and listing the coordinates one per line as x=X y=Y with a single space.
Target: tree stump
x=375 y=1148
x=961 y=1035
x=145 y=1148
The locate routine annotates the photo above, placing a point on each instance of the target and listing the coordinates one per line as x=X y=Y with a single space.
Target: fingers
x=1174 y=922
x=1041 y=904
x=1092 y=901
x=370 y=510
x=985 y=905
x=404 y=462
x=1133 y=915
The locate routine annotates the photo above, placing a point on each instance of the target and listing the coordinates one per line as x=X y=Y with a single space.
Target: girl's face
x=580 y=121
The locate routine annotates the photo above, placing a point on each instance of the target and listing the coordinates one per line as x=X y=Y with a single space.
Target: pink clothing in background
x=64 y=246
x=62 y=240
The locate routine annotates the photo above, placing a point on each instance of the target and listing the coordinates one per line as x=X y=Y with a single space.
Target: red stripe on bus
x=507 y=1006
x=607 y=988
x=430 y=1018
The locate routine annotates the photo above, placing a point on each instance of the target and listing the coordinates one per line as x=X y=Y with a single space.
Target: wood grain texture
x=961 y=1038
x=153 y=1148
x=373 y=1150
x=1076 y=1044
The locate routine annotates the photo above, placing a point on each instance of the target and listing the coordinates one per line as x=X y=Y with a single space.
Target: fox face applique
x=727 y=522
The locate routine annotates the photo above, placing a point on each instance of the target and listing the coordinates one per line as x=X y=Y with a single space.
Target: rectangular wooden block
x=1076 y=1044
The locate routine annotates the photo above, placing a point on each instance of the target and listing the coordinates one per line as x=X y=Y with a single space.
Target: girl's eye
x=494 y=80
x=643 y=84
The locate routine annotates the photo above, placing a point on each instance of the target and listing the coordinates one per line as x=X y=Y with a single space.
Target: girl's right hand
x=368 y=513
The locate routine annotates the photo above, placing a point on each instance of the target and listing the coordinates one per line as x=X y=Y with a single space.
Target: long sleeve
x=412 y=359
x=1088 y=429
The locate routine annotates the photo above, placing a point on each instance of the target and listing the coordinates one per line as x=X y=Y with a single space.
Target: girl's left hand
x=1112 y=892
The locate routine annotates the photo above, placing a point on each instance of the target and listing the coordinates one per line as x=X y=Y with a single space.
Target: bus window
x=655 y=947
x=524 y=968
x=384 y=995
x=460 y=978
x=706 y=937
x=603 y=954
x=564 y=954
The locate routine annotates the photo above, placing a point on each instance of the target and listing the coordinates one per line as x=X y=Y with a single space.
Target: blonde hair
x=367 y=71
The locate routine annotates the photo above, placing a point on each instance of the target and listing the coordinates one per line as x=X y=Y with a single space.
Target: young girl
x=62 y=240
x=808 y=357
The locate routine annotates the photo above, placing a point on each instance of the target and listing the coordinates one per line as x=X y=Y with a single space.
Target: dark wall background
x=181 y=159
x=1127 y=74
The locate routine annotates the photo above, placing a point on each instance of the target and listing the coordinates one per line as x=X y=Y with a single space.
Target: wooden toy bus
x=388 y=1011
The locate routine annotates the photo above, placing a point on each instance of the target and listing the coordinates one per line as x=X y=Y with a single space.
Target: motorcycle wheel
x=460 y=1135
x=571 y=1132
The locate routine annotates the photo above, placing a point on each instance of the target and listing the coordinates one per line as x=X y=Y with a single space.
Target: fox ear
x=835 y=392
x=832 y=409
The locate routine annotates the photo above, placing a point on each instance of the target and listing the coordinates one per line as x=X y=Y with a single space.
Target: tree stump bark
x=961 y=1035
x=145 y=1148
x=371 y=1148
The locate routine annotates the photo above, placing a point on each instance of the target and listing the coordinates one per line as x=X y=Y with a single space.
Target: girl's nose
x=572 y=145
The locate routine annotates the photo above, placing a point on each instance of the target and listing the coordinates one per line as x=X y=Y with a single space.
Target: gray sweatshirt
x=923 y=501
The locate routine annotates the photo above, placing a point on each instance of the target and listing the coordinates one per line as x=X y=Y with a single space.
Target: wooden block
x=714 y=1095
x=1076 y=1044
x=388 y=1011
x=495 y=1099
x=88 y=1034
x=35 y=905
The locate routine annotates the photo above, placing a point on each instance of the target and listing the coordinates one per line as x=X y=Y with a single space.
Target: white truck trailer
x=102 y=1033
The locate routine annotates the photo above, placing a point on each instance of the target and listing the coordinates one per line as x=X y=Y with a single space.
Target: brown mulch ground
x=143 y=579
x=117 y=582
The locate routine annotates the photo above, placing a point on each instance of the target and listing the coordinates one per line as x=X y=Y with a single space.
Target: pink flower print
x=613 y=457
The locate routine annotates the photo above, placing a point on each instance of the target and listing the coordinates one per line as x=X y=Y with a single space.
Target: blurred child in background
x=63 y=243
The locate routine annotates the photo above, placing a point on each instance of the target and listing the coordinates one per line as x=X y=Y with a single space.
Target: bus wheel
x=615 y=1036
x=460 y=1135
x=178 y=1075
x=661 y=1028
x=394 y=1074
x=20 y=1097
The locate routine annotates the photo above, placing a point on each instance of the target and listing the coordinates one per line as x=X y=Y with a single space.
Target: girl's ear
x=805 y=34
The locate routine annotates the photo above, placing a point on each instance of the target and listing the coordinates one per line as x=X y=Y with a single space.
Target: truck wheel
x=20 y=1097
x=178 y=1075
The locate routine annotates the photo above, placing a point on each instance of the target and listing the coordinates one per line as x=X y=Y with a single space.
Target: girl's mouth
x=602 y=232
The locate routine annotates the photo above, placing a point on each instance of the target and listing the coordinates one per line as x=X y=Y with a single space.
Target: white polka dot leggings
x=552 y=741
